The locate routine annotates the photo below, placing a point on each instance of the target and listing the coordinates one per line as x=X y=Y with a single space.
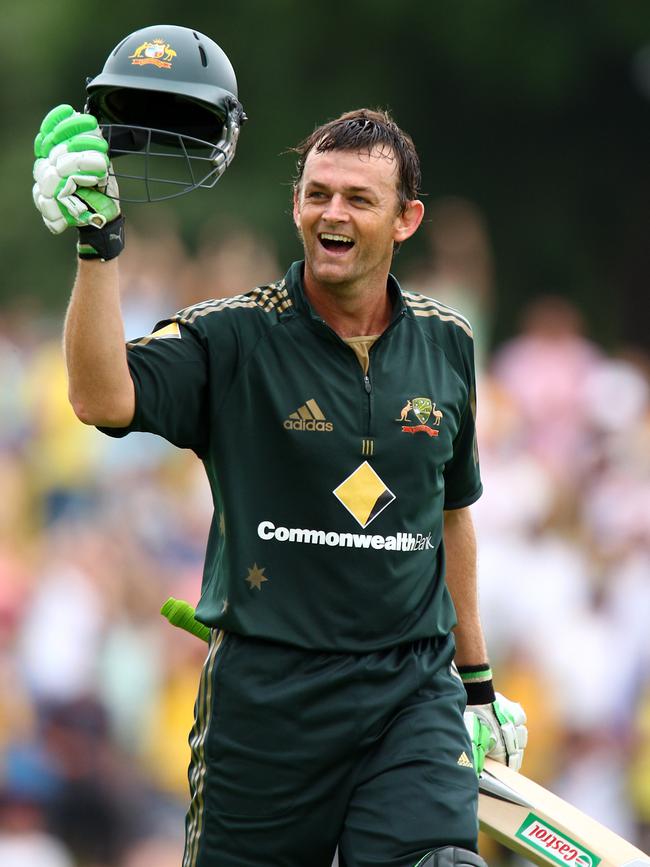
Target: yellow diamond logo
x=364 y=494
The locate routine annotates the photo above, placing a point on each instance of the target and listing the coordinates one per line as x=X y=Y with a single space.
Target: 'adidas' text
x=309 y=416
x=310 y=424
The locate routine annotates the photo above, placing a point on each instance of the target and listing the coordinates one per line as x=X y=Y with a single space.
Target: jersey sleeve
x=462 y=473
x=169 y=369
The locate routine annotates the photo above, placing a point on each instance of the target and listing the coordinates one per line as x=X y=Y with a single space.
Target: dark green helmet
x=167 y=104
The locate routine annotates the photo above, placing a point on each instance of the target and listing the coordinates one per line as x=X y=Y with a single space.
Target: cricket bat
x=543 y=828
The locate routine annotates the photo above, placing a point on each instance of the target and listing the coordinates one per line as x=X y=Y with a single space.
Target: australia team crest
x=425 y=412
x=157 y=53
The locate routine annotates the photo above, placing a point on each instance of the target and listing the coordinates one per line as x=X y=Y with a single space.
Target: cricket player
x=347 y=697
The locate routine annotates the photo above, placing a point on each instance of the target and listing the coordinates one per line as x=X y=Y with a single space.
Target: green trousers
x=295 y=751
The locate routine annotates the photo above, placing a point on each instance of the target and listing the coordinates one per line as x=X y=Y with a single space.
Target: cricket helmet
x=166 y=101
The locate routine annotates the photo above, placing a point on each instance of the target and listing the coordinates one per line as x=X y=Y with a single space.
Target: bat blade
x=545 y=829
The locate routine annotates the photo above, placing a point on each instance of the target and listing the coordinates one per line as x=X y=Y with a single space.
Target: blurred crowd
x=98 y=690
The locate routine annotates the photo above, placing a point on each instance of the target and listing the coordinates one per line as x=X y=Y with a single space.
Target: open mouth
x=335 y=243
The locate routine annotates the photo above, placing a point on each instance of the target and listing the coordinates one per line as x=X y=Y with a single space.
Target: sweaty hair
x=364 y=130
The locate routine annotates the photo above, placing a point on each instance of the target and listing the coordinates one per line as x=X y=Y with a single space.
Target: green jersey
x=329 y=483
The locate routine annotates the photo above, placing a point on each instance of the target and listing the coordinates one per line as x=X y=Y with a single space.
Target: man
x=335 y=417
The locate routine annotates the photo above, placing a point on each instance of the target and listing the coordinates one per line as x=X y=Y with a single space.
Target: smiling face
x=347 y=211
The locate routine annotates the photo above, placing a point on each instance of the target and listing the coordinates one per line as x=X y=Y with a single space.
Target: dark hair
x=363 y=130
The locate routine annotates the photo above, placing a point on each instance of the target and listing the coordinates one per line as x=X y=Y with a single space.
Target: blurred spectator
x=93 y=809
x=460 y=270
x=27 y=788
x=61 y=631
x=151 y=270
x=229 y=260
x=61 y=454
x=545 y=369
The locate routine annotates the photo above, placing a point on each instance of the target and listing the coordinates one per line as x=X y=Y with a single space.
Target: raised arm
x=100 y=387
x=74 y=188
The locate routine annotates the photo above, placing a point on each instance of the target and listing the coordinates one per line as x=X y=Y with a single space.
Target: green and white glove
x=74 y=185
x=481 y=737
x=497 y=730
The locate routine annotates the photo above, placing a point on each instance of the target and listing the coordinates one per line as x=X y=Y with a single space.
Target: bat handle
x=181 y=614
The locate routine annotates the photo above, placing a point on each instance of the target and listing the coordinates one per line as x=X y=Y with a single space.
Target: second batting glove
x=506 y=723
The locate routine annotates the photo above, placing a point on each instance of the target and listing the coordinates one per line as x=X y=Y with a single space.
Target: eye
x=360 y=200
x=315 y=194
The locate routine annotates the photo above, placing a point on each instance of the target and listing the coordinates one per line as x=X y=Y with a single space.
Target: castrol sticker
x=554 y=844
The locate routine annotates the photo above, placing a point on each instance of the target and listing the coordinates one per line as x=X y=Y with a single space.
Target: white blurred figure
x=32 y=848
x=628 y=602
x=61 y=633
x=616 y=396
x=532 y=592
x=531 y=572
x=617 y=503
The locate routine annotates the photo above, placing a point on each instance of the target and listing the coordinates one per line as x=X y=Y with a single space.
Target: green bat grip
x=181 y=614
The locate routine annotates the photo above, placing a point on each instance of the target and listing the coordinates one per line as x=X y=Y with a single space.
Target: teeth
x=329 y=237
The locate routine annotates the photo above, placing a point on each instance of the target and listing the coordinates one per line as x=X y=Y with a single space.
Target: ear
x=296 y=206
x=408 y=220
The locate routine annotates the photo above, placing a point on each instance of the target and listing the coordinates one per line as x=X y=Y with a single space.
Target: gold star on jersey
x=256 y=576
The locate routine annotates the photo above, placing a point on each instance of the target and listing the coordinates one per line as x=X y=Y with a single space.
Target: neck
x=351 y=311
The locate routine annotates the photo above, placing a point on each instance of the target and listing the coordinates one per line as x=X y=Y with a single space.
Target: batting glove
x=481 y=737
x=498 y=730
x=74 y=185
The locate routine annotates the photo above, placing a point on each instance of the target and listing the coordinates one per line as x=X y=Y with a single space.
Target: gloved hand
x=497 y=730
x=71 y=172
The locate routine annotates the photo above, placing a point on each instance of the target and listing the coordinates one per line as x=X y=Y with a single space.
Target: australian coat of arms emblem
x=157 y=53
x=424 y=409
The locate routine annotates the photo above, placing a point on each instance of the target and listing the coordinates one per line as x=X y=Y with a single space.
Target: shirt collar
x=294 y=284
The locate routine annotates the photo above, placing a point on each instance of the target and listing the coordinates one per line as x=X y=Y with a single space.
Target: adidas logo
x=463 y=761
x=309 y=416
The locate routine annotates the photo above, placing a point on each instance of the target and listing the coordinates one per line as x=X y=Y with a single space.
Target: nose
x=336 y=210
